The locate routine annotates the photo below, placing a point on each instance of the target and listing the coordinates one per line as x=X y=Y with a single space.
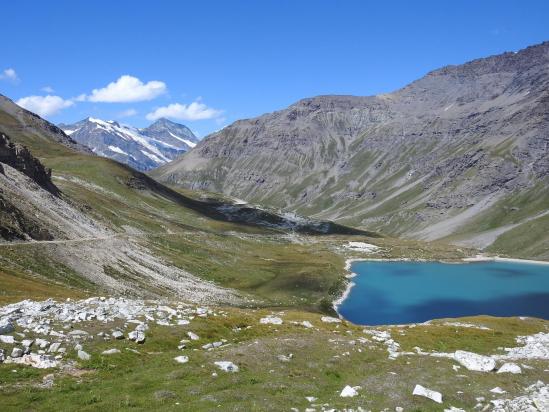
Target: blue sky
x=209 y=63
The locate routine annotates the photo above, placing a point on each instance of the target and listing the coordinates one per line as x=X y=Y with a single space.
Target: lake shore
x=476 y=259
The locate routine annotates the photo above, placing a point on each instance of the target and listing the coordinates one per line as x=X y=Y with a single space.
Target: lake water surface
x=409 y=292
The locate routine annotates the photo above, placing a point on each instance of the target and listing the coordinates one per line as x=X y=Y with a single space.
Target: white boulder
x=348 y=392
x=509 y=367
x=427 y=393
x=475 y=362
x=226 y=366
x=273 y=320
x=181 y=359
x=330 y=319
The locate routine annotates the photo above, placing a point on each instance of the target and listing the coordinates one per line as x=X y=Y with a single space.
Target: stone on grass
x=348 y=392
x=272 y=320
x=307 y=324
x=83 y=355
x=475 y=362
x=181 y=359
x=16 y=353
x=427 y=393
x=497 y=390
x=330 y=319
x=192 y=336
x=27 y=343
x=226 y=366
x=7 y=339
x=37 y=361
x=54 y=347
x=509 y=367
x=6 y=327
x=110 y=351
x=117 y=335
x=137 y=336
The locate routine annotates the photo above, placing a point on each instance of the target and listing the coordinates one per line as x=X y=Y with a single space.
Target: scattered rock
x=193 y=336
x=427 y=393
x=498 y=390
x=285 y=358
x=475 y=362
x=36 y=360
x=16 y=352
x=273 y=320
x=54 y=347
x=137 y=336
x=6 y=327
x=307 y=324
x=110 y=351
x=83 y=355
x=329 y=319
x=117 y=335
x=226 y=366
x=348 y=392
x=181 y=359
x=7 y=339
x=509 y=367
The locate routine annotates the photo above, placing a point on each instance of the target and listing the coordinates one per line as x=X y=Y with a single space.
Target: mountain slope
x=143 y=149
x=87 y=224
x=461 y=155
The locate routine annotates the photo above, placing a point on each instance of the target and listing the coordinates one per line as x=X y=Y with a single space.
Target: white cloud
x=10 y=75
x=194 y=111
x=127 y=113
x=44 y=105
x=47 y=89
x=127 y=89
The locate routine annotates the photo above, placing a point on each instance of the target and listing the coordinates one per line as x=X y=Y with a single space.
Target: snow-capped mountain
x=142 y=149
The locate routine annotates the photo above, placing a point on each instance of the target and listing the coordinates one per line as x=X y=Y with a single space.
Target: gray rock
x=110 y=351
x=117 y=335
x=6 y=327
x=137 y=336
x=475 y=362
x=17 y=352
x=54 y=347
x=84 y=355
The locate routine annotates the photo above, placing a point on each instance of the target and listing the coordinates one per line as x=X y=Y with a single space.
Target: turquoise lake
x=409 y=292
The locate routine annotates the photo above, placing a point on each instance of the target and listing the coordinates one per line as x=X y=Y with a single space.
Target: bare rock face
x=20 y=158
x=439 y=158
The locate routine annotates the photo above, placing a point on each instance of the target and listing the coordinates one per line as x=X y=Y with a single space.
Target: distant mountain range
x=142 y=149
x=461 y=154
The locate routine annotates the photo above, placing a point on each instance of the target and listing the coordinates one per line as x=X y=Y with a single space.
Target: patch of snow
x=117 y=150
x=187 y=142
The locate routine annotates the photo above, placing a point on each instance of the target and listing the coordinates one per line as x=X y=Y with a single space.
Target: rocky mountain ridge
x=142 y=149
x=460 y=154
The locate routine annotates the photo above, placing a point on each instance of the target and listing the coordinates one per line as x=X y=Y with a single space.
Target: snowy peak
x=143 y=149
x=171 y=132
